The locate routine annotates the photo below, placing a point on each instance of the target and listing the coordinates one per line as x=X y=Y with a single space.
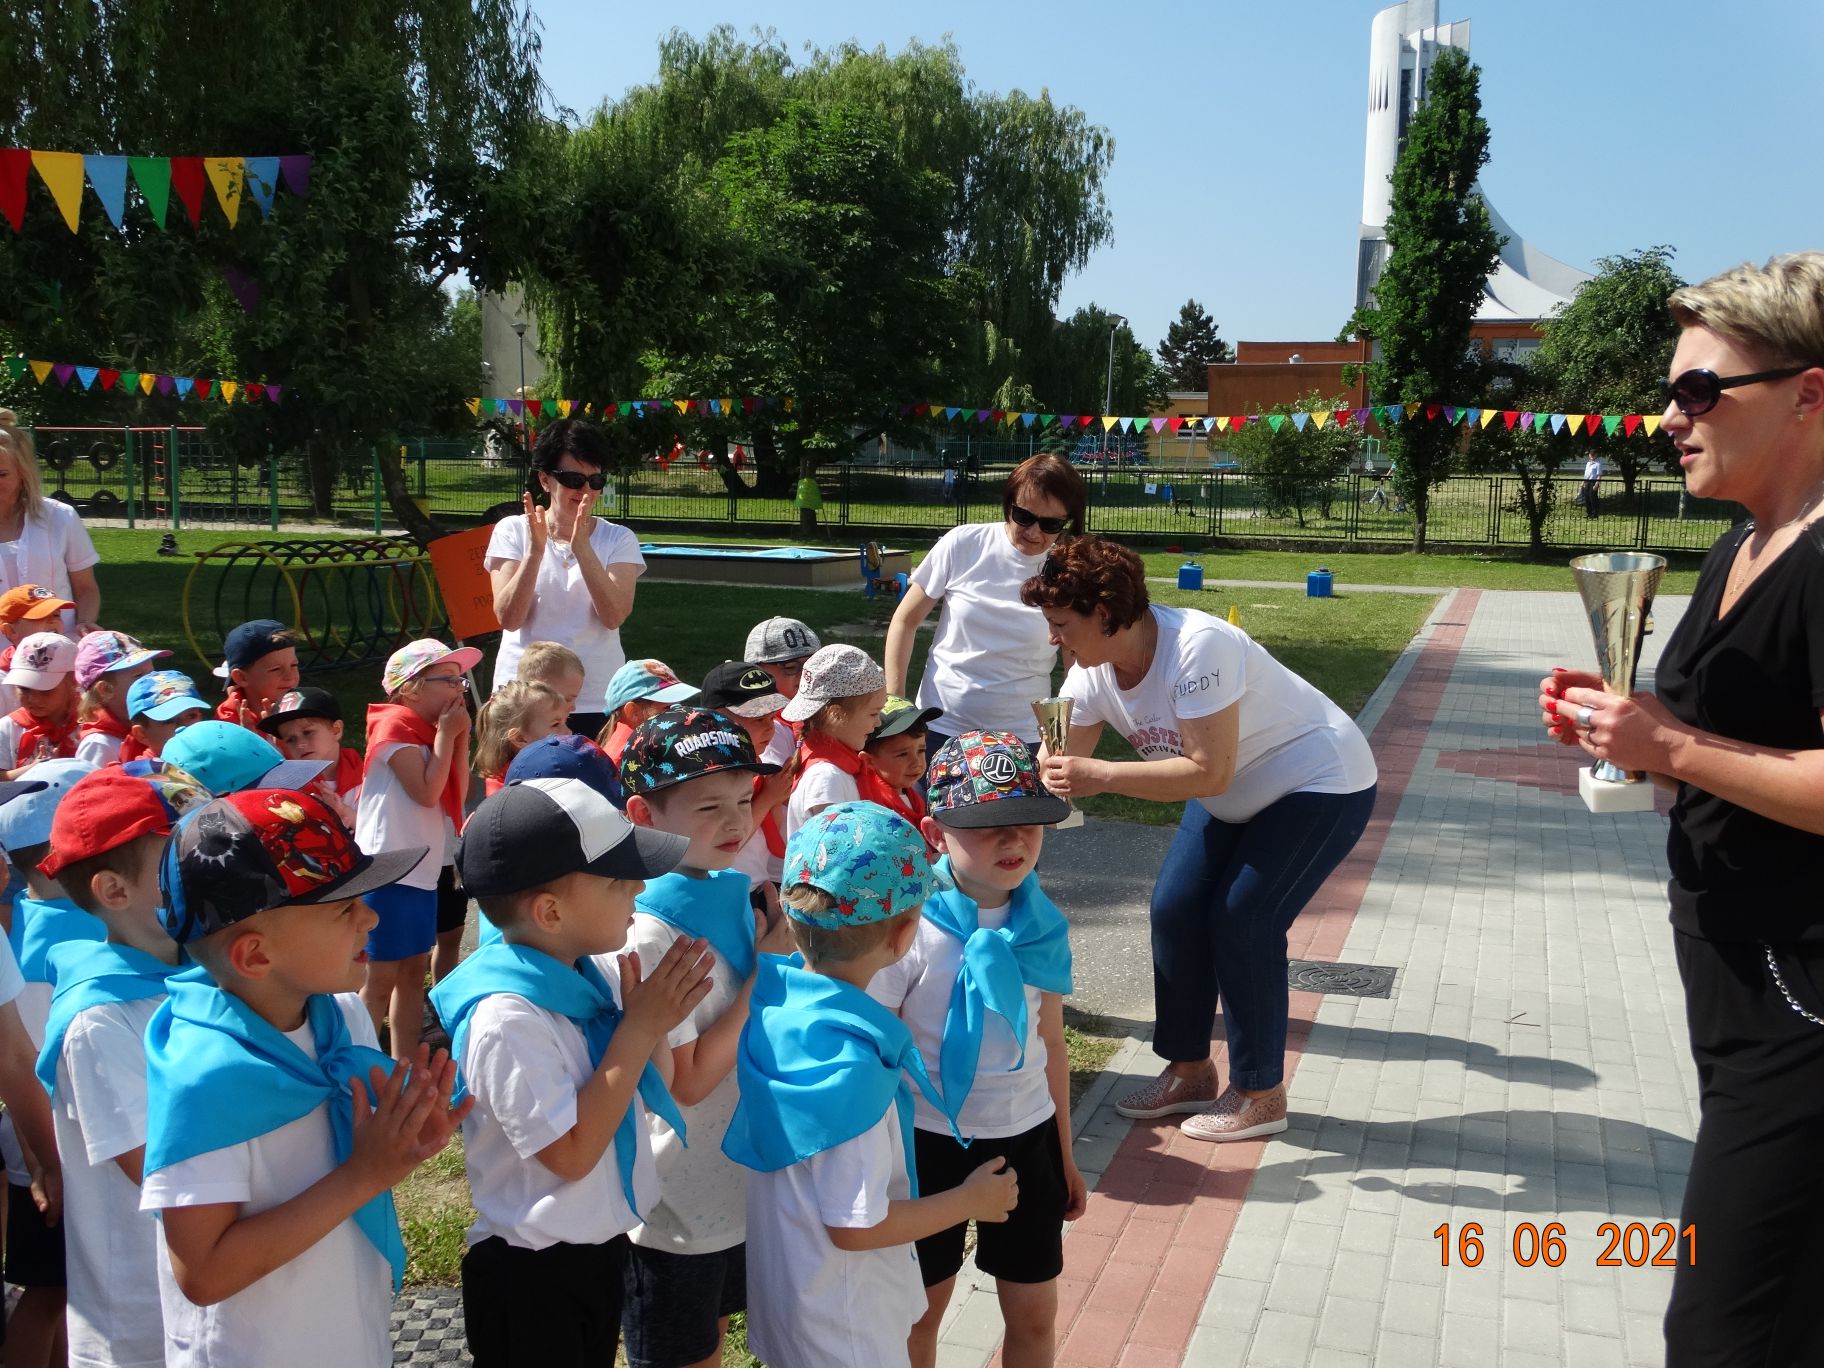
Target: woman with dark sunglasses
x=1735 y=726
x=560 y=573
x=990 y=660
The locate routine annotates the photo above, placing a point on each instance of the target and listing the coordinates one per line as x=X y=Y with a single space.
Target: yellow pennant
x=40 y=370
x=62 y=175
x=1650 y=421
x=1108 y=421
x=790 y=404
x=1222 y=423
x=1488 y=416
x=229 y=389
x=473 y=406
x=1320 y=416
x=1575 y=423
x=1411 y=409
x=682 y=405
x=229 y=177
x=563 y=408
x=146 y=380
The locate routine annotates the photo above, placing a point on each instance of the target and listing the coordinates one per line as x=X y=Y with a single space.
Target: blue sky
x=1238 y=127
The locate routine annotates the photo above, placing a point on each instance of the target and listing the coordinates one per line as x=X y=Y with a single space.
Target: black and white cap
x=540 y=830
x=777 y=639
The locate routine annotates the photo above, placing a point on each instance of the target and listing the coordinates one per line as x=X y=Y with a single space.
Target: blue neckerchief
x=715 y=909
x=819 y=1064
x=92 y=974
x=219 y=1074
x=579 y=992
x=38 y=925
x=1033 y=948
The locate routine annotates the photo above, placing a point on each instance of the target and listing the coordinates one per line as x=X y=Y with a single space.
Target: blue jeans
x=1225 y=897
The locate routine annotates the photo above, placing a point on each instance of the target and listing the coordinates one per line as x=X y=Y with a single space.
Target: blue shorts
x=408 y=922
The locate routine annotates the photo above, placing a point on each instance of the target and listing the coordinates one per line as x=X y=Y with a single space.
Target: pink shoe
x=1168 y=1095
x=1236 y=1116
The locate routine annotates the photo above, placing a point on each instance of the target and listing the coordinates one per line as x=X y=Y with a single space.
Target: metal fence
x=177 y=477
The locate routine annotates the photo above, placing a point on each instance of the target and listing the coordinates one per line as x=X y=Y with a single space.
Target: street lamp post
x=1108 y=397
x=519 y=331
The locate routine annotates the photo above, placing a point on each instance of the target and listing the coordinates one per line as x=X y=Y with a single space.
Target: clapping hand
x=538 y=523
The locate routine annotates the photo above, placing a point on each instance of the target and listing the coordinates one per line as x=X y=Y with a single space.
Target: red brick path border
x=1138 y=1266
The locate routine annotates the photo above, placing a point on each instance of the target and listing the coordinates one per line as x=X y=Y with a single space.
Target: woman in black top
x=1737 y=728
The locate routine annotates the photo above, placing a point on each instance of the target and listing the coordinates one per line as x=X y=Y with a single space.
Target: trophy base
x=1606 y=795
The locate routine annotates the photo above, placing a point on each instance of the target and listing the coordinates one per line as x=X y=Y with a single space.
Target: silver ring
x=1585 y=715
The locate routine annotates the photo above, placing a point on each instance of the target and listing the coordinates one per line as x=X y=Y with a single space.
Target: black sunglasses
x=575 y=479
x=1696 y=392
x=1025 y=517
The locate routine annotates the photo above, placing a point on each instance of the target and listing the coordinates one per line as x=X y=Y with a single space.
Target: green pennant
x=15 y=366
x=1610 y=423
x=153 y=176
x=622 y=407
x=129 y=382
x=1276 y=421
x=1047 y=419
x=967 y=415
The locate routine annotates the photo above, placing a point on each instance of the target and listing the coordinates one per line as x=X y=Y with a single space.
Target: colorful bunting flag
x=109 y=177
x=146 y=382
x=153 y=177
x=61 y=173
x=15 y=166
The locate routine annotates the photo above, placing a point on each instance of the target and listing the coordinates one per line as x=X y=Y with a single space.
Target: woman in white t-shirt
x=43 y=541
x=992 y=658
x=1278 y=785
x=554 y=583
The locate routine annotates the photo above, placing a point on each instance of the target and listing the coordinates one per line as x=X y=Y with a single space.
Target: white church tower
x=1405 y=39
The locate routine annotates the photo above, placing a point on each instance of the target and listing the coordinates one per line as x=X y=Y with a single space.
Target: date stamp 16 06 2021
x=1633 y=1244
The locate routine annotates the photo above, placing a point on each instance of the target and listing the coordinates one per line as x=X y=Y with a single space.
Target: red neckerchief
x=394 y=723
x=349 y=771
x=821 y=746
x=769 y=824
x=62 y=737
x=106 y=724
x=616 y=745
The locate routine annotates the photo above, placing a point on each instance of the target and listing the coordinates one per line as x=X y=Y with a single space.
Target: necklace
x=1742 y=569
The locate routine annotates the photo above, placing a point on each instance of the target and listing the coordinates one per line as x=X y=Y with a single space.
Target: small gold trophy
x=1054 y=730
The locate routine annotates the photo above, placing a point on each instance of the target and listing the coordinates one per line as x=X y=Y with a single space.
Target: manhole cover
x=1355 y=980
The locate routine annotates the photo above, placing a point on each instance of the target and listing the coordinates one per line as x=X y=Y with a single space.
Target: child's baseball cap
x=779 y=638
x=833 y=672
x=681 y=744
x=415 y=657
x=651 y=680
x=105 y=810
x=870 y=860
x=540 y=830
x=568 y=756
x=163 y=695
x=31 y=603
x=989 y=779
x=26 y=820
x=42 y=661
x=101 y=653
x=295 y=703
x=250 y=641
x=741 y=689
x=225 y=758
x=901 y=715
x=264 y=848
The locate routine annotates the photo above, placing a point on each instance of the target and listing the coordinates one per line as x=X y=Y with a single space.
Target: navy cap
x=251 y=640
x=568 y=756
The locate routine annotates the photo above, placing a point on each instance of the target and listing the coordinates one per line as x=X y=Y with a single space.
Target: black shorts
x=34 y=1250
x=1028 y=1247
x=542 y=1308
x=452 y=902
x=675 y=1301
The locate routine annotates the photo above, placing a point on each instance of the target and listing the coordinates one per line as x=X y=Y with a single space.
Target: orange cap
x=30 y=601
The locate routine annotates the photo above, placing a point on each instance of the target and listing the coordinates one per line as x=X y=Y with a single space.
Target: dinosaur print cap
x=870 y=860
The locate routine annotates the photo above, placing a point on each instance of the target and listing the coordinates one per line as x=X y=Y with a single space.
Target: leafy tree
x=1606 y=351
x=1191 y=347
x=1442 y=249
x=1534 y=456
x=1297 y=468
x=1070 y=375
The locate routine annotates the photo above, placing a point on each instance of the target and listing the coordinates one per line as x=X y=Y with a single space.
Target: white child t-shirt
x=561 y=608
x=1004 y=1099
x=330 y=1305
x=992 y=656
x=111 y=1252
x=525 y=1067
x=1293 y=739
x=810 y=1304
x=33 y=1003
x=389 y=818
x=819 y=785
x=98 y=748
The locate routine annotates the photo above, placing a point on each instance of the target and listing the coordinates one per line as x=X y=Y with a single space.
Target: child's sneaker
x=1236 y=1116
x=1168 y=1095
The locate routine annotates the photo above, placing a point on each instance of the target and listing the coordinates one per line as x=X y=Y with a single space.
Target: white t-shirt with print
x=1292 y=738
x=810 y=1304
x=1007 y=1097
x=991 y=658
x=561 y=608
x=33 y=1003
x=389 y=818
x=99 y=749
x=819 y=785
x=111 y=1246
x=702 y=1203
x=330 y=1305
x=525 y=1067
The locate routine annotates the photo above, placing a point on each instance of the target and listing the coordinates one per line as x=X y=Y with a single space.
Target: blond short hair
x=507 y=708
x=542 y=660
x=835 y=944
x=1775 y=311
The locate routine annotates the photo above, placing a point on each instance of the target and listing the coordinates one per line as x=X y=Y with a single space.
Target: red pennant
x=997 y=414
x=203 y=387
x=535 y=407
x=1342 y=417
x=108 y=378
x=1174 y=423
x=1629 y=423
x=15 y=163
x=1433 y=410
x=253 y=390
x=1593 y=422
x=747 y=406
x=187 y=181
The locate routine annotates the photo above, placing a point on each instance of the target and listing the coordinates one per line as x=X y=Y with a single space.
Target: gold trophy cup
x=1617 y=588
x=1054 y=730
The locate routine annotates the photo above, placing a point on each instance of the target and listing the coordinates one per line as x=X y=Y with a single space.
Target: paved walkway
x=1528 y=1068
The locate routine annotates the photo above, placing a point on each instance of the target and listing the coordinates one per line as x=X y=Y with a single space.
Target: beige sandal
x=1236 y=1116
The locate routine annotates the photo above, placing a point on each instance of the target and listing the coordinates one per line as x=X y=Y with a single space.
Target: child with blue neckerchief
x=983 y=992
x=563 y=1050
x=690 y=771
x=825 y=1114
x=107 y=839
x=275 y=1128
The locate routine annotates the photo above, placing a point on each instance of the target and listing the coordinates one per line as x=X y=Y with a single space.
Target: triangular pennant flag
x=1450 y=414
x=1610 y=422
x=252 y=391
x=62 y=371
x=87 y=375
x=1342 y=417
x=40 y=369
x=535 y=407
x=564 y=406
x=1222 y=424
x=1274 y=420
x=295 y=172
x=15 y=163
x=262 y=181
x=1158 y=423
x=1028 y=419
x=185 y=383
x=1397 y=414
x=473 y=406
x=1630 y=425
x=747 y=405
x=15 y=367
x=164 y=384
x=789 y=403
x=1557 y=423
x=1413 y=408
x=951 y=411
x=1108 y=422
x=229 y=177
x=967 y=415
x=1174 y=423
x=516 y=405
x=204 y=388
x=683 y=405
x=1047 y=419
x=61 y=173
x=1471 y=415
x=1432 y=410
x=1299 y=420
x=1591 y=423
x=1488 y=416
x=274 y=391
x=147 y=379
x=622 y=407
x=1576 y=421
x=129 y=381
x=1526 y=420
x=1320 y=417
x=229 y=389
x=153 y=177
x=1361 y=417
x=109 y=177
x=500 y=407
x=1650 y=421
x=187 y=181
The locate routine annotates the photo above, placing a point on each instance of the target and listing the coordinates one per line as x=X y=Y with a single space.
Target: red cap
x=105 y=810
